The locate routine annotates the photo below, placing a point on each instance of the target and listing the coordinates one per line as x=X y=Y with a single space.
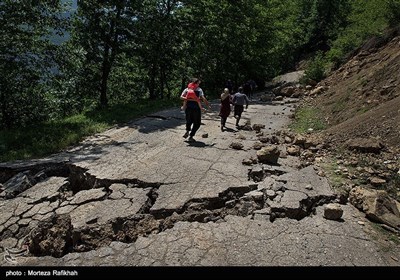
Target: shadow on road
x=170 y=119
x=199 y=144
x=227 y=129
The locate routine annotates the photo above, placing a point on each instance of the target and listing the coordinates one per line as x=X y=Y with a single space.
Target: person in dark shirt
x=229 y=86
x=239 y=100
x=247 y=89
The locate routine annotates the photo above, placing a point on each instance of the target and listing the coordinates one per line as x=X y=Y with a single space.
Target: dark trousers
x=223 y=121
x=238 y=110
x=193 y=117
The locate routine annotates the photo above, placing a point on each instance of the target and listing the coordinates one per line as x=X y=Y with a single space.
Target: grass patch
x=386 y=235
x=341 y=105
x=53 y=136
x=306 y=118
x=363 y=82
x=363 y=110
x=336 y=180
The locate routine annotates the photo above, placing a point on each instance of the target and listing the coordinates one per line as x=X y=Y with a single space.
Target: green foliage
x=26 y=59
x=160 y=48
x=54 y=136
x=393 y=12
x=321 y=20
x=43 y=139
x=316 y=69
x=306 y=118
x=366 y=18
x=102 y=30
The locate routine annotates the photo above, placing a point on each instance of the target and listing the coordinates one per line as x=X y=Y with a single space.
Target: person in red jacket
x=191 y=95
x=193 y=111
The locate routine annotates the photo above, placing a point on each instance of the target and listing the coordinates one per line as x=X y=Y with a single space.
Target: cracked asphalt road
x=146 y=168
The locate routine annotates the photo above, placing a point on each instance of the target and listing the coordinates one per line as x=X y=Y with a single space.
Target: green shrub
x=393 y=12
x=315 y=70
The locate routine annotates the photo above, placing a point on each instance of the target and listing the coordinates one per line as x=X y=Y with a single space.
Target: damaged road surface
x=140 y=195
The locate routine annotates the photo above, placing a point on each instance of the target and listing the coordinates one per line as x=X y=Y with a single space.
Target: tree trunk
x=183 y=85
x=3 y=109
x=168 y=89
x=110 y=50
x=162 y=83
x=106 y=67
x=152 y=82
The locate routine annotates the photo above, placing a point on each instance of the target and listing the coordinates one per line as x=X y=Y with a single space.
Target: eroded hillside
x=360 y=103
x=363 y=96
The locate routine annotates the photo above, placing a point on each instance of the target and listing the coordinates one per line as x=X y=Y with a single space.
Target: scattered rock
x=247 y=162
x=270 y=193
x=268 y=154
x=258 y=146
x=256 y=195
x=264 y=139
x=377 y=205
x=258 y=127
x=299 y=140
x=309 y=187
x=236 y=146
x=365 y=145
x=333 y=211
x=376 y=181
x=293 y=150
x=53 y=236
x=241 y=137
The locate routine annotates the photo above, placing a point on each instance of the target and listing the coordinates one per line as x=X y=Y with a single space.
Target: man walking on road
x=239 y=99
x=193 y=111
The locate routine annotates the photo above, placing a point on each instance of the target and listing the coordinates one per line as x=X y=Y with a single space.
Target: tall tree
x=26 y=59
x=322 y=20
x=393 y=12
x=227 y=39
x=102 y=30
x=160 y=44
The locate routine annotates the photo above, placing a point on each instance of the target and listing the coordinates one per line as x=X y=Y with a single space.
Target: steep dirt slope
x=360 y=102
x=363 y=98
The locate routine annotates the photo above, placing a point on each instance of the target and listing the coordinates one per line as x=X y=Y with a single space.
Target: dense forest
x=118 y=52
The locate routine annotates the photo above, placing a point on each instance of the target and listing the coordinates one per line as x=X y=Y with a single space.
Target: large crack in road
x=142 y=184
x=82 y=194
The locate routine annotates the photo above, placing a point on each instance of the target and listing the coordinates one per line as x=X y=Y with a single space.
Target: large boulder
x=268 y=154
x=333 y=211
x=377 y=205
x=365 y=145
